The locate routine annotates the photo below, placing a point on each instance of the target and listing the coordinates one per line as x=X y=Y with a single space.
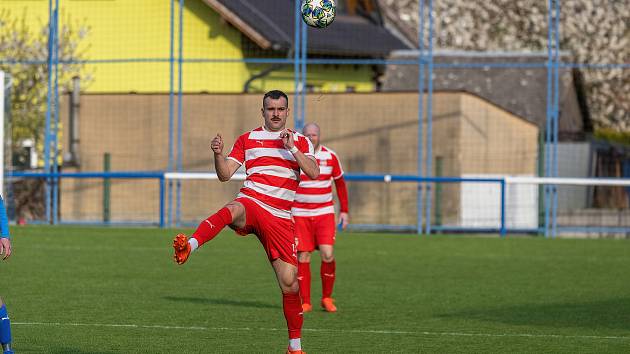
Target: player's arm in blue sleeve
x=4 y=220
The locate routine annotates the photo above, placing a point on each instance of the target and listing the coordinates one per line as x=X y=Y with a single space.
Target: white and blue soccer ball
x=318 y=13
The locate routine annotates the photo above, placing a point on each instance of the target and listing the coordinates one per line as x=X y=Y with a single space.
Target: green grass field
x=109 y=290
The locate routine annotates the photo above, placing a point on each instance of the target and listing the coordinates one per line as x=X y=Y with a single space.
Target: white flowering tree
x=592 y=31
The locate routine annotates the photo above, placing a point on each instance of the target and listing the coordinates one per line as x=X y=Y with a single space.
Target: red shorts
x=312 y=231
x=274 y=233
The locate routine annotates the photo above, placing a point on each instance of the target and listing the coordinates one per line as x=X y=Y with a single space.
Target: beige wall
x=495 y=141
x=487 y=140
x=372 y=133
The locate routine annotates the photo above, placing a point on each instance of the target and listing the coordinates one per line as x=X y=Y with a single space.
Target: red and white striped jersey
x=272 y=172
x=314 y=197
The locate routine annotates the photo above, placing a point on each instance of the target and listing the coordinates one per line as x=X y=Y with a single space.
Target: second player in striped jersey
x=314 y=217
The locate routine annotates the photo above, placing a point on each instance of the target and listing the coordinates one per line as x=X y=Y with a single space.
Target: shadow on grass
x=608 y=314
x=224 y=302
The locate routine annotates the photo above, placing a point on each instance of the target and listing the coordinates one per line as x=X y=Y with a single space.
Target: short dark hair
x=275 y=94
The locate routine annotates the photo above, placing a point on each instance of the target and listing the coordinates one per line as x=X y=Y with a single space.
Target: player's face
x=312 y=133
x=275 y=113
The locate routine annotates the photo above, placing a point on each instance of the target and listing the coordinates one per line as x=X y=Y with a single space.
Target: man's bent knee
x=237 y=210
x=291 y=288
x=289 y=283
x=328 y=259
x=326 y=253
x=287 y=276
x=304 y=257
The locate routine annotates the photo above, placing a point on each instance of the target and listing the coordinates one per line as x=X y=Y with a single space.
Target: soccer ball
x=318 y=13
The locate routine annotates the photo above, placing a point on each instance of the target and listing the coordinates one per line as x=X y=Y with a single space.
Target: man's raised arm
x=224 y=166
x=308 y=164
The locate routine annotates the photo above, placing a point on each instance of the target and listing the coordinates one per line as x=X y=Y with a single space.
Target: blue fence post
x=162 y=196
x=429 y=160
x=549 y=114
x=178 y=202
x=171 y=111
x=556 y=116
x=304 y=56
x=419 y=199
x=52 y=14
x=55 y=120
x=503 y=230
x=296 y=65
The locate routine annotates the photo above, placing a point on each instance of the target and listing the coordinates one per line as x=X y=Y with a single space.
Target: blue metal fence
x=161 y=179
x=55 y=177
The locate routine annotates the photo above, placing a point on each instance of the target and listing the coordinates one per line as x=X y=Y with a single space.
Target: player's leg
x=327 y=273
x=304 y=279
x=232 y=213
x=286 y=274
x=325 y=234
x=5 y=329
x=306 y=245
x=278 y=239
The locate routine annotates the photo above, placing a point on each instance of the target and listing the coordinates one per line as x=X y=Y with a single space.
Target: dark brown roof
x=270 y=23
x=522 y=90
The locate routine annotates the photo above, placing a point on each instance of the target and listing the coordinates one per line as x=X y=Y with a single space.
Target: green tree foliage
x=613 y=135
x=24 y=56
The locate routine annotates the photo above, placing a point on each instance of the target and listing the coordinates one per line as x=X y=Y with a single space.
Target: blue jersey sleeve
x=4 y=220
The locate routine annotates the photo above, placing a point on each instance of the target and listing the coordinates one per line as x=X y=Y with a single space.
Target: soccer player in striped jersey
x=273 y=157
x=314 y=217
x=5 y=252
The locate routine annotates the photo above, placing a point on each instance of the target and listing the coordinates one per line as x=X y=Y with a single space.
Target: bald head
x=311 y=131
x=310 y=127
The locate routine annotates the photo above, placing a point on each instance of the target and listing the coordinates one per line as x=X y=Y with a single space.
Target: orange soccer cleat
x=307 y=307
x=328 y=303
x=182 y=248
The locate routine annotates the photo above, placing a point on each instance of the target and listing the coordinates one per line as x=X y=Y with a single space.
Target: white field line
x=360 y=331
x=95 y=248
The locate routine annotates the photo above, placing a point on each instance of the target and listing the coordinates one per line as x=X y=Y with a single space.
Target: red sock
x=304 y=279
x=292 y=307
x=327 y=272
x=210 y=227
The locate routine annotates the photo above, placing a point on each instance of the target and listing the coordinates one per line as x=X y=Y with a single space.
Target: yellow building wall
x=140 y=29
